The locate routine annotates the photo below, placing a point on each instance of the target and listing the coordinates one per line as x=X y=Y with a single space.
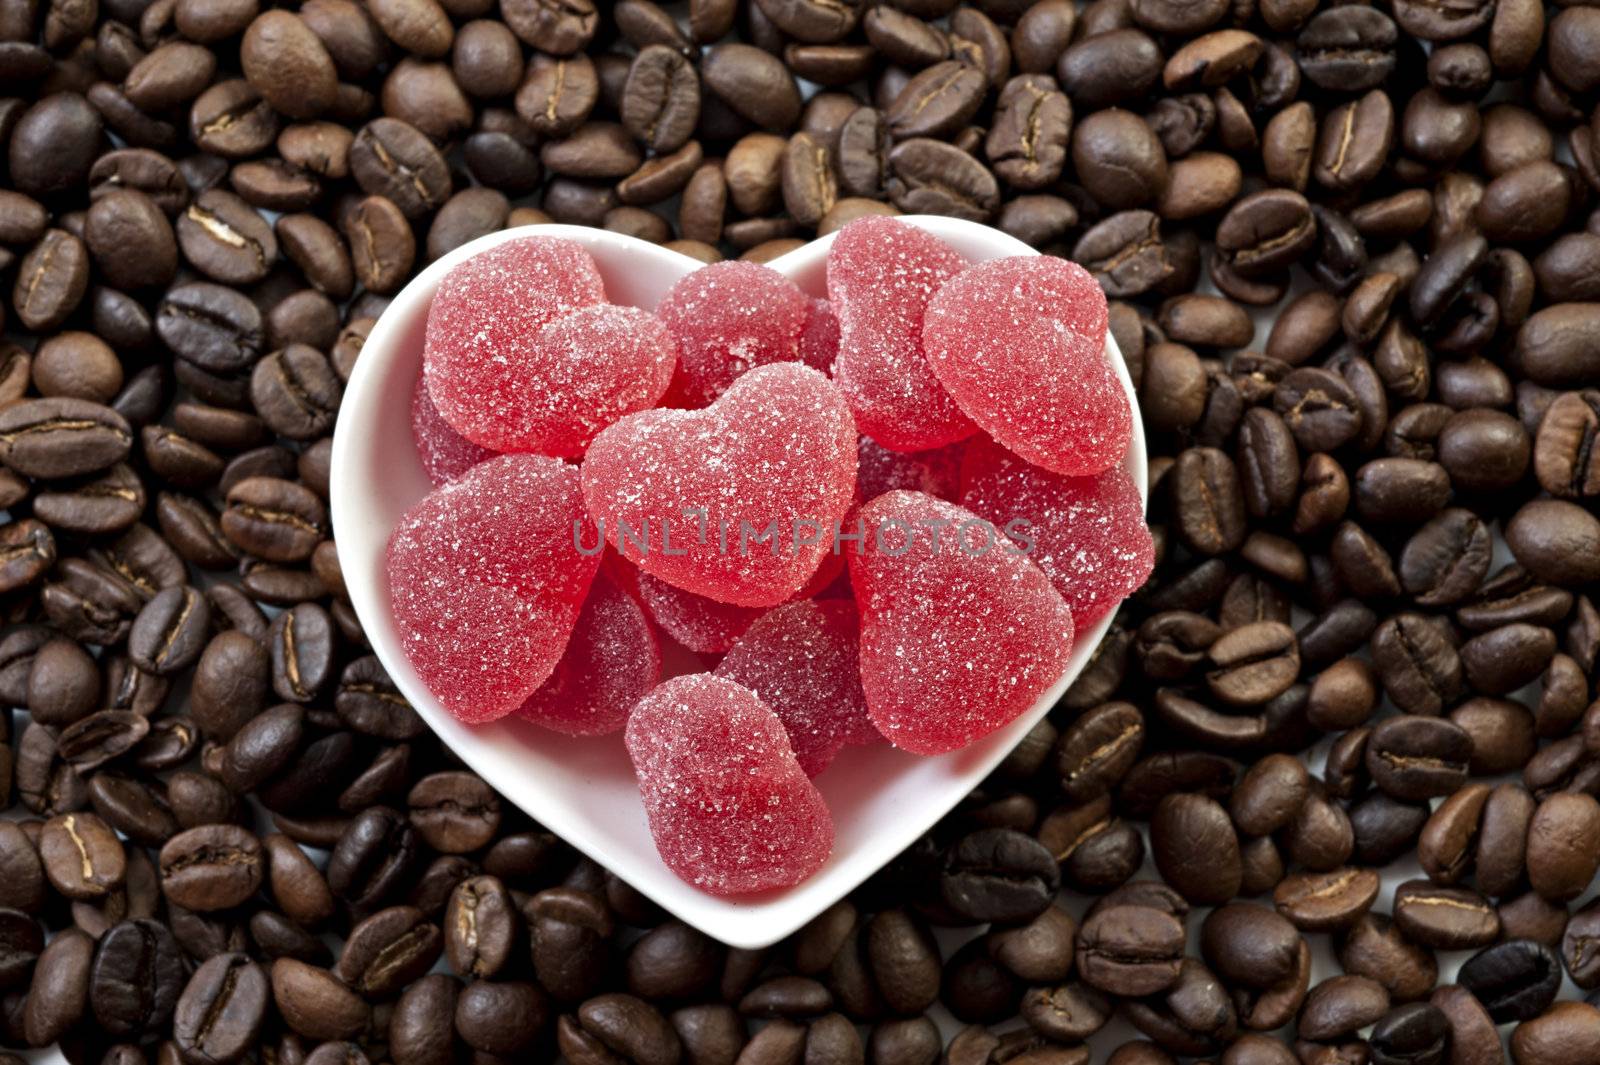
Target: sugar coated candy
x=881 y=274
x=483 y=324
x=729 y=808
x=703 y=625
x=960 y=632
x=611 y=662
x=731 y=317
x=936 y=471
x=736 y=502
x=445 y=453
x=596 y=364
x=1021 y=345
x=801 y=659
x=486 y=581
x=1088 y=534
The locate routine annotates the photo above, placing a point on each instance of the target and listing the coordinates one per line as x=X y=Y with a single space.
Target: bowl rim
x=740 y=921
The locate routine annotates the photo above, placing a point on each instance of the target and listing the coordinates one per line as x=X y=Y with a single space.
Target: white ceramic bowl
x=584 y=789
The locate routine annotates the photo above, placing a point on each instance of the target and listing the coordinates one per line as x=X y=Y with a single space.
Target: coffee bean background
x=1326 y=793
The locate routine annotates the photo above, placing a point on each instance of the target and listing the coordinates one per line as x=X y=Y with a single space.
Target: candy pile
x=920 y=583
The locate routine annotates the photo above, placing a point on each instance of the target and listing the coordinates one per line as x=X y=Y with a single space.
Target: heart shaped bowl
x=584 y=790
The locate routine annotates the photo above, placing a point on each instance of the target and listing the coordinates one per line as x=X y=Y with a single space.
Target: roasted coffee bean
x=170 y=632
x=1315 y=902
x=999 y=875
x=82 y=856
x=1444 y=918
x=58 y=993
x=388 y=950
x=314 y=1003
x=55 y=438
x=1420 y=669
x=1130 y=950
x=1415 y=758
x=212 y=867
x=1516 y=980
x=930 y=176
x=1558 y=853
x=136 y=977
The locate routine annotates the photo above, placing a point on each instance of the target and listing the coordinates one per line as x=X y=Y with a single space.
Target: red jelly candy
x=960 y=632
x=596 y=364
x=611 y=662
x=801 y=659
x=445 y=453
x=881 y=275
x=731 y=317
x=729 y=808
x=486 y=581
x=736 y=502
x=482 y=369
x=1021 y=345
x=1087 y=533
x=879 y=470
x=700 y=624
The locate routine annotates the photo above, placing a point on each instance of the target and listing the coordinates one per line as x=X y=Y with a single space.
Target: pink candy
x=486 y=582
x=445 y=453
x=881 y=275
x=736 y=502
x=801 y=659
x=522 y=354
x=729 y=807
x=596 y=365
x=960 y=632
x=1087 y=533
x=1021 y=345
x=611 y=662
x=703 y=625
x=731 y=317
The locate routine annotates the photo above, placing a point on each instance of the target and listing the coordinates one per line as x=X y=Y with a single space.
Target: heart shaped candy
x=728 y=318
x=485 y=581
x=478 y=355
x=960 y=632
x=1021 y=345
x=881 y=275
x=737 y=502
x=729 y=807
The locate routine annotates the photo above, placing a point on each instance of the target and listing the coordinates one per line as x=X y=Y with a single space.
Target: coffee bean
x=1130 y=950
x=1347 y=51
x=1550 y=537
x=936 y=178
x=314 y=1003
x=224 y=238
x=82 y=856
x=1119 y=159
x=1253 y=664
x=212 y=867
x=1373 y=947
x=1444 y=918
x=1209 y=501
x=1557 y=840
x=136 y=977
x=58 y=993
x=1421 y=671
x=382 y=246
